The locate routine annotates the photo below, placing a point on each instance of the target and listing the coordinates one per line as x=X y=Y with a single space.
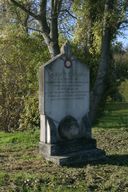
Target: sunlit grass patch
x=19 y=140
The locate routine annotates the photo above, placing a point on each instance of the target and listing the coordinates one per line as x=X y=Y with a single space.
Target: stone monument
x=65 y=133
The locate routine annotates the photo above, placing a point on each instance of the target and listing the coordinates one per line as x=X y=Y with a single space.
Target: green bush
x=30 y=116
x=20 y=57
x=123 y=90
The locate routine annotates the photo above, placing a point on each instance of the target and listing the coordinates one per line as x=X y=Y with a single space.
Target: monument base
x=72 y=153
x=81 y=157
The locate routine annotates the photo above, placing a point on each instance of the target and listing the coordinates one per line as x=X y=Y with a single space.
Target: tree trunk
x=100 y=82
x=53 y=46
x=50 y=33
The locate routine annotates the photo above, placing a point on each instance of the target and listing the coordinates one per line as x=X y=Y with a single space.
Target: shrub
x=21 y=56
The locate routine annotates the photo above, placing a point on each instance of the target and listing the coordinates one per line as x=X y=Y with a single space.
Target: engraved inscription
x=61 y=88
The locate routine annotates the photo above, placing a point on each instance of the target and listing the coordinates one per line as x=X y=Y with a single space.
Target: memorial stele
x=65 y=131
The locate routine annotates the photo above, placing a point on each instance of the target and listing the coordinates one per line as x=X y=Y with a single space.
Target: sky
x=123 y=38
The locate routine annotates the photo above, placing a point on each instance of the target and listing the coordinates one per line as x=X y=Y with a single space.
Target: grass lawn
x=22 y=169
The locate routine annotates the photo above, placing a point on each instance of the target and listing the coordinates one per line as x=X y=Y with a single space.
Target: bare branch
x=43 y=20
x=21 y=6
x=59 y=6
x=125 y=22
x=35 y=29
x=65 y=10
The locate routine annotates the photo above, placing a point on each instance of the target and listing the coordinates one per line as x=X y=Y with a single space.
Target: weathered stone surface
x=64 y=92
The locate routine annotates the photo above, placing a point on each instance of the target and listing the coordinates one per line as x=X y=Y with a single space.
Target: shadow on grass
x=119 y=160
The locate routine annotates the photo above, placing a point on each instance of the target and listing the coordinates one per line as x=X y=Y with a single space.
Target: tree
x=105 y=18
x=110 y=27
x=103 y=21
x=47 y=14
x=101 y=78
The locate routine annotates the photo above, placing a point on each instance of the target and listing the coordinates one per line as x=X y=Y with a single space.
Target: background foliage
x=21 y=56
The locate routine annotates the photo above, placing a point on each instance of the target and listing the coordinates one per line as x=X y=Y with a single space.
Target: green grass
x=115 y=116
x=22 y=169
